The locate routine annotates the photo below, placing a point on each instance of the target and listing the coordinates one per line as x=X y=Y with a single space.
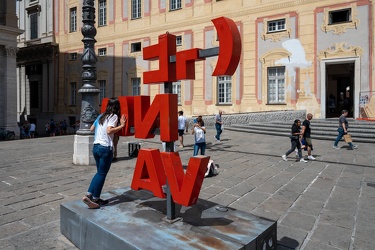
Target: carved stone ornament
x=340 y=28
x=340 y=50
x=11 y=51
x=89 y=114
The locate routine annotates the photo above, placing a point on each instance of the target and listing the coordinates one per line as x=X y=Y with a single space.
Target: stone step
x=321 y=129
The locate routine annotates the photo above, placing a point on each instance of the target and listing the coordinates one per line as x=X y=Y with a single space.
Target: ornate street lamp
x=89 y=107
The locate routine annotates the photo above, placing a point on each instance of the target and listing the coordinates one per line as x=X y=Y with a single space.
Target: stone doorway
x=339 y=89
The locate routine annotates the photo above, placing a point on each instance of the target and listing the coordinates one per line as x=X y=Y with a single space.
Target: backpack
x=211 y=169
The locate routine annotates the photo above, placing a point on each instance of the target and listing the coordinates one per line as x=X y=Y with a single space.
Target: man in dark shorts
x=306 y=133
x=182 y=126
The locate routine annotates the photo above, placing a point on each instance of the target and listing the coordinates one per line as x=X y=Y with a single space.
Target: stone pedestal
x=137 y=220
x=83 y=150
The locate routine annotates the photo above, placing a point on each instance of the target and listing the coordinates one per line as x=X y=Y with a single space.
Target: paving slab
x=248 y=162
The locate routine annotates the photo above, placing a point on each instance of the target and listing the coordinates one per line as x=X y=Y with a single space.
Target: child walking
x=199 y=132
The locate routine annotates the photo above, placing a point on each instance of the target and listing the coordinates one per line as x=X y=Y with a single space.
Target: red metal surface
x=185 y=63
x=230 y=46
x=163 y=110
x=149 y=172
x=185 y=188
x=162 y=51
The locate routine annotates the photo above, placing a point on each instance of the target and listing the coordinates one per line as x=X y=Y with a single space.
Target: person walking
x=218 y=125
x=182 y=125
x=295 y=141
x=47 y=129
x=26 y=129
x=32 y=130
x=63 y=128
x=105 y=126
x=343 y=130
x=116 y=138
x=52 y=128
x=306 y=135
x=199 y=136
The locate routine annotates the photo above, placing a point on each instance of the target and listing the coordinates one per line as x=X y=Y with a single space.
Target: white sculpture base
x=83 y=150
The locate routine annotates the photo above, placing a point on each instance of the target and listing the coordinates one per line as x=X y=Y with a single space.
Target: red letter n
x=164 y=107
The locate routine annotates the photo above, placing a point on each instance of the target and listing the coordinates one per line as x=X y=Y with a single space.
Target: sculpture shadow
x=192 y=215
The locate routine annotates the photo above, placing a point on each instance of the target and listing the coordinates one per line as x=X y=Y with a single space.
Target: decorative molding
x=276 y=36
x=136 y=54
x=11 y=51
x=340 y=50
x=271 y=7
x=268 y=59
x=340 y=28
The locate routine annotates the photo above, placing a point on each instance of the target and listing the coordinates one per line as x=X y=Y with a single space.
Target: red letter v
x=184 y=187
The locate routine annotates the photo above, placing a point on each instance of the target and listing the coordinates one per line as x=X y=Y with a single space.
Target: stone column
x=10 y=119
x=84 y=138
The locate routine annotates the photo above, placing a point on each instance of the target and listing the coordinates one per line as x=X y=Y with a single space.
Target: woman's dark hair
x=200 y=120
x=113 y=108
x=295 y=124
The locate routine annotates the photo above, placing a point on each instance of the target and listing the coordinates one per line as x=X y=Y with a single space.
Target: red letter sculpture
x=185 y=188
x=149 y=172
x=164 y=107
x=162 y=51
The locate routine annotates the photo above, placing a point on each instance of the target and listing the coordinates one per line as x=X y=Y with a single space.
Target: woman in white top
x=199 y=132
x=105 y=126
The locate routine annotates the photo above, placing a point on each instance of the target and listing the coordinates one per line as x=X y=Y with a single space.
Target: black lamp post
x=89 y=107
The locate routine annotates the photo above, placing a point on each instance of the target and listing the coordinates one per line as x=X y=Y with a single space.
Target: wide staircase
x=361 y=131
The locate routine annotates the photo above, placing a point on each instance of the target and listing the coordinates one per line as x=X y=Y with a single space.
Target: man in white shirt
x=182 y=126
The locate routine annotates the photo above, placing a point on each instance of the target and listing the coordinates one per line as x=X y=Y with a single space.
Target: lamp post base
x=83 y=150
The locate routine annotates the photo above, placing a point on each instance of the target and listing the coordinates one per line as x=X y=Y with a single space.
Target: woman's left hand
x=123 y=120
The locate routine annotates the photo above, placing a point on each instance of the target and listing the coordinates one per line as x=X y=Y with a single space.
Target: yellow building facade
x=296 y=55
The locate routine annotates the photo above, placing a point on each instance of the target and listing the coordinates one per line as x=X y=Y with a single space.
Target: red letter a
x=185 y=188
x=149 y=173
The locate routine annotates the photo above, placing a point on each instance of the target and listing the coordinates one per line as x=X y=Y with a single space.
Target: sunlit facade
x=296 y=55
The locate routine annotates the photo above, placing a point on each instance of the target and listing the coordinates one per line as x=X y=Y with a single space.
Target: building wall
x=8 y=48
x=37 y=69
x=304 y=48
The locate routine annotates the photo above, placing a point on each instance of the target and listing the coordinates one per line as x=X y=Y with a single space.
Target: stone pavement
x=325 y=204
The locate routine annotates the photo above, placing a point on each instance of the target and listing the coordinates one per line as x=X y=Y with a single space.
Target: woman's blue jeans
x=201 y=146
x=218 y=131
x=103 y=158
x=295 y=144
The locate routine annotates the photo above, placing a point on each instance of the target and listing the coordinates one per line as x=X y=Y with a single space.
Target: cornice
x=10 y=30
x=232 y=15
